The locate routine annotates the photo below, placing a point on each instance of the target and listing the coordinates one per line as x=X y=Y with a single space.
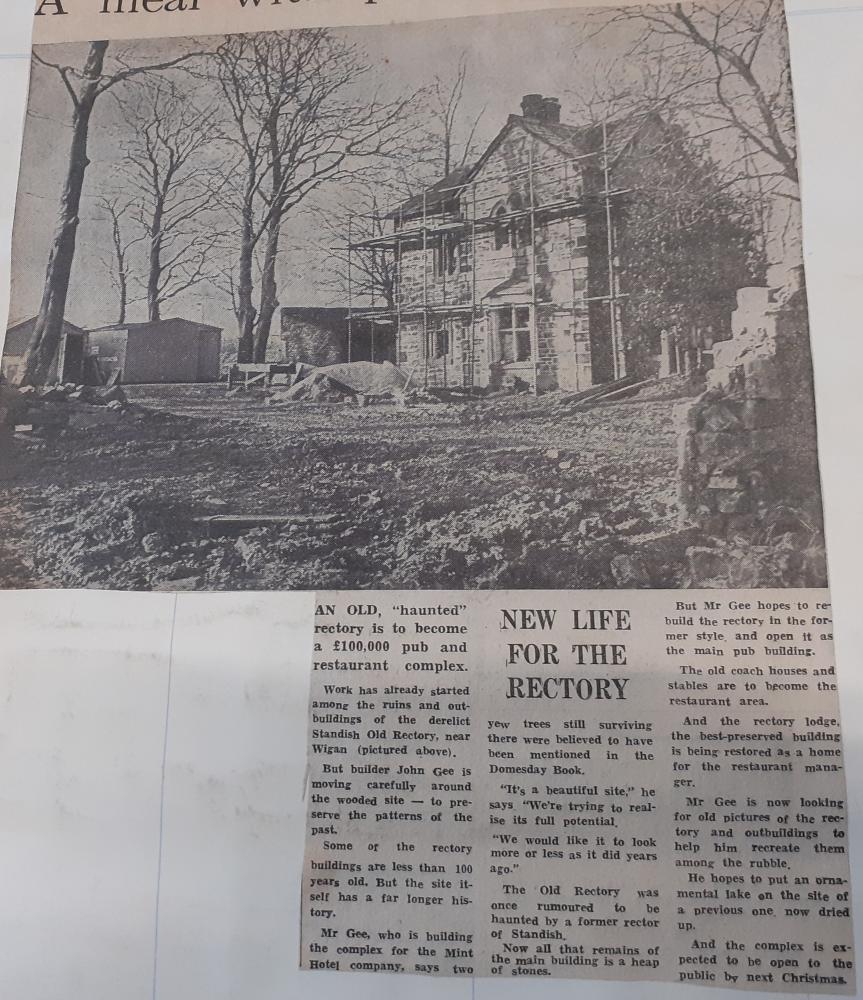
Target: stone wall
x=748 y=470
x=315 y=336
x=497 y=276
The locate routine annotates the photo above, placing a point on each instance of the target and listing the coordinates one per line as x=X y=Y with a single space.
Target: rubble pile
x=747 y=470
x=185 y=490
x=523 y=499
x=127 y=538
x=68 y=392
x=139 y=539
x=46 y=411
x=357 y=380
x=315 y=388
x=536 y=538
x=367 y=378
x=677 y=387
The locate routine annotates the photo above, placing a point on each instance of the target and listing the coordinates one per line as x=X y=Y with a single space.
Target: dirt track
x=509 y=492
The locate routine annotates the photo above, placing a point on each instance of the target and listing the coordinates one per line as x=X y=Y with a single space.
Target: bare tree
x=359 y=215
x=446 y=141
x=298 y=122
x=84 y=86
x=447 y=110
x=166 y=163
x=725 y=69
x=116 y=263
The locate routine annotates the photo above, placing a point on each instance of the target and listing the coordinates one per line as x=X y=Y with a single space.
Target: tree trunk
x=48 y=331
x=245 y=307
x=269 y=294
x=120 y=260
x=154 y=271
x=269 y=301
x=124 y=296
x=245 y=315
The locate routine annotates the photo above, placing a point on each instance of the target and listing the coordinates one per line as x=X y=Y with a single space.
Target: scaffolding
x=462 y=215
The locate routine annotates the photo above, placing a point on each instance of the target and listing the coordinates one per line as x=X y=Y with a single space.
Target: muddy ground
x=513 y=492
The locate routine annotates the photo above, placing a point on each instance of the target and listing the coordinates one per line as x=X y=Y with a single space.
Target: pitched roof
x=575 y=140
x=20 y=334
x=435 y=196
x=177 y=322
x=570 y=140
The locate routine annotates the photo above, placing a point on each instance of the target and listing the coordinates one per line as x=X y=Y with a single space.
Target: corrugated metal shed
x=168 y=350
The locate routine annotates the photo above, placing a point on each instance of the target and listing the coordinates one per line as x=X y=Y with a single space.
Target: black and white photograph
x=488 y=302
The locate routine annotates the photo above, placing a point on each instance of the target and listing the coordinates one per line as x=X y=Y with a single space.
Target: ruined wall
x=319 y=337
x=315 y=337
x=748 y=471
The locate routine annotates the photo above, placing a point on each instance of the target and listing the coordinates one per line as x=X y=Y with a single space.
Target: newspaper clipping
x=587 y=784
x=492 y=330
x=413 y=306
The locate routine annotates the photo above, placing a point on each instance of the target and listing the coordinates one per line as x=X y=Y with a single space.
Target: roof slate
x=570 y=140
x=435 y=196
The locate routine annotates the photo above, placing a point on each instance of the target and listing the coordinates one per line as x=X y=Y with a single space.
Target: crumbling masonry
x=748 y=469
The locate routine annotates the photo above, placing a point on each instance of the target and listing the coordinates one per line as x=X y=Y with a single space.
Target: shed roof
x=179 y=324
x=19 y=335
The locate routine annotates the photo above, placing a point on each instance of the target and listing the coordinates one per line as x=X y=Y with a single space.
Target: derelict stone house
x=320 y=336
x=506 y=271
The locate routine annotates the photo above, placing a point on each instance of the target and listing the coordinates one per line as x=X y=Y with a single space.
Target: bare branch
x=297 y=126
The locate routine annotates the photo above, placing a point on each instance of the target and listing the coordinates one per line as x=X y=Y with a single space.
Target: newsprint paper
x=490 y=327
x=584 y=784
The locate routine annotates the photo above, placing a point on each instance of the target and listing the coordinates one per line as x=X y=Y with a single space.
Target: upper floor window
x=444 y=256
x=511 y=228
x=465 y=254
x=520 y=233
x=501 y=228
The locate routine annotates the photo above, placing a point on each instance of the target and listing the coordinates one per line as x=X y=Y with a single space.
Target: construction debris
x=610 y=390
x=358 y=380
x=315 y=388
x=192 y=491
x=209 y=495
x=367 y=377
x=48 y=411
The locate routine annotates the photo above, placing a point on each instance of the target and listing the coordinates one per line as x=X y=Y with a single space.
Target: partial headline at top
x=85 y=20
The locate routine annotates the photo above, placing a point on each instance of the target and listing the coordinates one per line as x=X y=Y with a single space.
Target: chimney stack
x=532 y=106
x=541 y=109
x=551 y=110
